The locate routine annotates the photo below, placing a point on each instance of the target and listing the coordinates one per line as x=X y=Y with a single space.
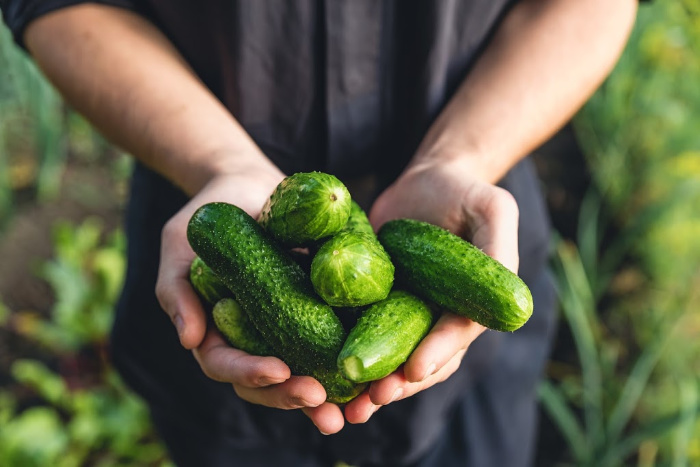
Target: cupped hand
x=260 y=380
x=449 y=195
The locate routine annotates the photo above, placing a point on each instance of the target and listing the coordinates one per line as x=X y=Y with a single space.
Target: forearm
x=123 y=74
x=544 y=62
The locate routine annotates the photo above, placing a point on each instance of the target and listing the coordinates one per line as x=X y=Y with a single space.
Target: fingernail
x=429 y=372
x=323 y=433
x=179 y=324
x=267 y=381
x=371 y=411
x=301 y=402
x=397 y=394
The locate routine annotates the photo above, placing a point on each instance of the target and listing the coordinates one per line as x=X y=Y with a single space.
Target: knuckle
x=505 y=202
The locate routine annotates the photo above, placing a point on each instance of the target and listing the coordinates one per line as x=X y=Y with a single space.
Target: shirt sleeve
x=17 y=14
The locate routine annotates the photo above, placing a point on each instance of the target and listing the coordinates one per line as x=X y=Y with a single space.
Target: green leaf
x=555 y=404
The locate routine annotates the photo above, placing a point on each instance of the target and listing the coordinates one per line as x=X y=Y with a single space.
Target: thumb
x=174 y=291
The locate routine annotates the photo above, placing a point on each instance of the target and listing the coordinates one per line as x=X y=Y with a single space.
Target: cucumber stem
x=352 y=366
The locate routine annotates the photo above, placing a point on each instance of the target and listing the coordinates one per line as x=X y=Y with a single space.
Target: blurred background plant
x=62 y=191
x=628 y=277
x=623 y=385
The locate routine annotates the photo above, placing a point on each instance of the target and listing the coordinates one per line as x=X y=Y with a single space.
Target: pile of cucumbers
x=311 y=283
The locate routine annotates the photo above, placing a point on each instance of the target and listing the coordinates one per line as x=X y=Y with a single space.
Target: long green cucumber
x=384 y=337
x=275 y=293
x=456 y=275
x=207 y=285
x=233 y=322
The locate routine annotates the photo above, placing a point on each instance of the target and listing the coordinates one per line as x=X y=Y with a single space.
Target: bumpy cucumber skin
x=206 y=283
x=352 y=269
x=274 y=291
x=305 y=207
x=384 y=337
x=233 y=322
x=358 y=220
x=456 y=275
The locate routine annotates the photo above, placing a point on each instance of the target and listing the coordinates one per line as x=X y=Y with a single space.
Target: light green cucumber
x=236 y=327
x=384 y=337
x=206 y=283
x=275 y=293
x=306 y=207
x=451 y=272
x=358 y=221
x=352 y=269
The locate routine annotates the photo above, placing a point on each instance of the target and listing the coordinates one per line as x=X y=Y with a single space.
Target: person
x=426 y=109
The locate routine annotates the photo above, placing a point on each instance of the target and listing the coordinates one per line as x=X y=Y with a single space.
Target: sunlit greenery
x=637 y=255
x=629 y=283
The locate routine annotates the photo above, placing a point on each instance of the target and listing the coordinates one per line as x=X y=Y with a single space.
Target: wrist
x=454 y=149
x=230 y=163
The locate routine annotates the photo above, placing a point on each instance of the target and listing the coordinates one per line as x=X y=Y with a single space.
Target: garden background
x=623 y=185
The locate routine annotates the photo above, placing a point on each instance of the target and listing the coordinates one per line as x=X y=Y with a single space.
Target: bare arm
x=122 y=73
x=545 y=60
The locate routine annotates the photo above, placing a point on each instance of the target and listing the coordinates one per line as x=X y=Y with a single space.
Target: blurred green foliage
x=38 y=133
x=84 y=414
x=632 y=304
x=629 y=287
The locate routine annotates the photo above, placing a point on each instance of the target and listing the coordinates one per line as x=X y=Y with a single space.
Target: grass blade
x=577 y=306
x=555 y=404
x=634 y=386
x=618 y=452
x=690 y=412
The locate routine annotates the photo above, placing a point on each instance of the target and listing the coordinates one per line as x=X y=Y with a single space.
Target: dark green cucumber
x=278 y=297
x=384 y=337
x=453 y=273
x=358 y=221
x=209 y=287
x=352 y=269
x=236 y=327
x=305 y=207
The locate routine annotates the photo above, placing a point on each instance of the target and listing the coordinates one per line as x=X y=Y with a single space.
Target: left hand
x=444 y=193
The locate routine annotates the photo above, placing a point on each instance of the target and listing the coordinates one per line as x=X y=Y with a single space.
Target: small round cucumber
x=306 y=207
x=206 y=283
x=384 y=337
x=234 y=324
x=352 y=269
x=451 y=272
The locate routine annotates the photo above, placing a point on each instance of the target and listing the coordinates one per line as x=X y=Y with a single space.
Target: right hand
x=260 y=380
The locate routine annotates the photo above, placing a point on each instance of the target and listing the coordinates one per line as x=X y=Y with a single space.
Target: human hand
x=260 y=380
x=447 y=194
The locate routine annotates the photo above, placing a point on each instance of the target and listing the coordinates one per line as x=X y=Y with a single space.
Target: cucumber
x=451 y=272
x=352 y=269
x=305 y=207
x=358 y=221
x=384 y=337
x=236 y=327
x=207 y=285
x=275 y=293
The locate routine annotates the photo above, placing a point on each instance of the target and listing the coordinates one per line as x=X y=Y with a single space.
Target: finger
x=494 y=218
x=395 y=386
x=450 y=334
x=327 y=417
x=294 y=393
x=221 y=362
x=360 y=409
x=173 y=290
